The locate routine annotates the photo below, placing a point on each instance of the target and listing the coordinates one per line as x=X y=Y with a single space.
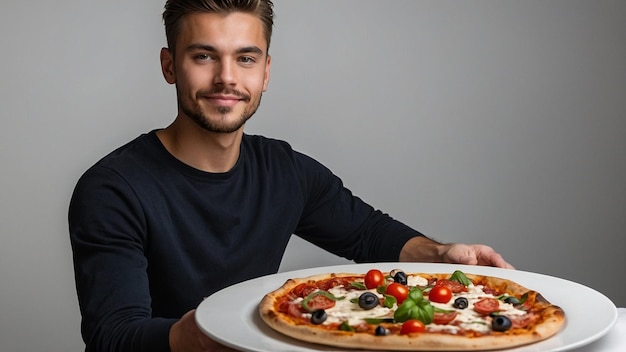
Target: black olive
x=512 y=300
x=460 y=303
x=501 y=323
x=380 y=331
x=400 y=277
x=318 y=316
x=368 y=300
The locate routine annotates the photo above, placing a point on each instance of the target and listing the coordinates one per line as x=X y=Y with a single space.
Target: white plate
x=230 y=316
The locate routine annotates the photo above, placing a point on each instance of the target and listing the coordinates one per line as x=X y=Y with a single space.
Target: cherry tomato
x=412 y=325
x=399 y=291
x=442 y=318
x=374 y=278
x=486 y=306
x=440 y=294
x=454 y=286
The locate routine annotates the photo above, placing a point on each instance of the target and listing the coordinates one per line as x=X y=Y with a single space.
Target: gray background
x=499 y=122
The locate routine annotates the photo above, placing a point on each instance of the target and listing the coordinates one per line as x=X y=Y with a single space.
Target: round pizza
x=411 y=311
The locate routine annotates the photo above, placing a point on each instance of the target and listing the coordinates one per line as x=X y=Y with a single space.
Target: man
x=184 y=211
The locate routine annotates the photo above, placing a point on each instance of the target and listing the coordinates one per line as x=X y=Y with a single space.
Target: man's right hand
x=185 y=336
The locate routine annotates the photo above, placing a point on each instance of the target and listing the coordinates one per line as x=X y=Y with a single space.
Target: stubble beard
x=197 y=115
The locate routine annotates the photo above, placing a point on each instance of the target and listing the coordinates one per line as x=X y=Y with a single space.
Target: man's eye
x=247 y=59
x=202 y=57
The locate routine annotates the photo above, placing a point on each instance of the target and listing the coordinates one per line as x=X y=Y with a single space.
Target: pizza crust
x=551 y=320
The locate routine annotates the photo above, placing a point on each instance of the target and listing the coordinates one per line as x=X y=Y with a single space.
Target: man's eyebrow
x=243 y=50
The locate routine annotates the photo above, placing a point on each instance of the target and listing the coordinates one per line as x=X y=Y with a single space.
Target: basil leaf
x=375 y=321
x=524 y=298
x=346 y=327
x=305 y=301
x=439 y=310
x=419 y=309
x=406 y=311
x=358 y=285
x=389 y=301
x=416 y=295
x=459 y=276
x=425 y=312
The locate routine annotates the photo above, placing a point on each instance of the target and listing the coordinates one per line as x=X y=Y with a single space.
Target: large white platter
x=230 y=316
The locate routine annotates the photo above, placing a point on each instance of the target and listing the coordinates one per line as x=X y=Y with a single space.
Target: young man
x=182 y=212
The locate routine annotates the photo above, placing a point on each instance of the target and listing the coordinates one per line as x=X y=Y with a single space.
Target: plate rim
x=277 y=279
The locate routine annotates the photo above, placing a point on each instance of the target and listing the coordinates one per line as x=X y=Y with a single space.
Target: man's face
x=221 y=68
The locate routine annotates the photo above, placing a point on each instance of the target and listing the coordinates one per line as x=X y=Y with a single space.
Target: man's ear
x=167 y=65
x=266 y=77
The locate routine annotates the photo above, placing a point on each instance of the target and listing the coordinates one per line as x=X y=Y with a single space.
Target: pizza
x=410 y=311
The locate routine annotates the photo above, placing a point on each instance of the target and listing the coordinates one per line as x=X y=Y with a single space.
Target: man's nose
x=225 y=73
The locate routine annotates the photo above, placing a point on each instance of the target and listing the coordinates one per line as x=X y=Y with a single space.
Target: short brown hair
x=176 y=10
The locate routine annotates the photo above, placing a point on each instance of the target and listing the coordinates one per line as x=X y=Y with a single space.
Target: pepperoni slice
x=292 y=309
x=487 y=306
x=320 y=302
x=443 y=318
x=334 y=282
x=303 y=290
x=454 y=286
x=521 y=321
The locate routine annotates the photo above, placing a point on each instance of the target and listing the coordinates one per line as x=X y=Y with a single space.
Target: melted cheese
x=466 y=319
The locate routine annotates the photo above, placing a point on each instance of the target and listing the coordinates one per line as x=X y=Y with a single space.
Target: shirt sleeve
x=344 y=224
x=107 y=235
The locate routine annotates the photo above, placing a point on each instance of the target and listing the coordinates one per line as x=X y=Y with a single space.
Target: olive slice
x=400 y=277
x=368 y=300
x=501 y=323
x=460 y=303
x=318 y=316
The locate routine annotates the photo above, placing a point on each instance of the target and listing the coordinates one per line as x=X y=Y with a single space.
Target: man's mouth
x=224 y=97
x=224 y=100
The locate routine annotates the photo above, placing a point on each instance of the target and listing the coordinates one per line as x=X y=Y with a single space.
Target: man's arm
x=110 y=268
x=423 y=249
x=185 y=336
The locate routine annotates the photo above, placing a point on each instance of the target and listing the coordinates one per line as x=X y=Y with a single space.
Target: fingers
x=476 y=254
x=491 y=258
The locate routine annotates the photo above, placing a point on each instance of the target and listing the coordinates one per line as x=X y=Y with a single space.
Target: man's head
x=218 y=59
x=176 y=10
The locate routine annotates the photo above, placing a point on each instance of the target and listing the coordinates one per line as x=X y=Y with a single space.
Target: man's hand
x=185 y=336
x=422 y=249
x=474 y=254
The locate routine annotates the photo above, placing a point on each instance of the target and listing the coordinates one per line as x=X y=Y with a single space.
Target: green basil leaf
x=346 y=327
x=406 y=311
x=358 y=285
x=307 y=299
x=389 y=301
x=375 y=321
x=425 y=312
x=416 y=295
x=459 y=276
x=439 y=310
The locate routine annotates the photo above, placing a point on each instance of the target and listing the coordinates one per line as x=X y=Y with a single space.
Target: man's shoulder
x=277 y=151
x=256 y=141
x=130 y=157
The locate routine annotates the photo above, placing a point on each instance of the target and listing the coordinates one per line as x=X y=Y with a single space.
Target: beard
x=219 y=125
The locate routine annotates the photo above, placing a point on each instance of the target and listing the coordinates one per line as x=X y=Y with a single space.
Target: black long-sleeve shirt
x=151 y=236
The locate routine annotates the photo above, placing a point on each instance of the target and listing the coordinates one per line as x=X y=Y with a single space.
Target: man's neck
x=199 y=148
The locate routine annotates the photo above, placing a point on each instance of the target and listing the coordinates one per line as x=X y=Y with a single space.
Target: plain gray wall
x=500 y=122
